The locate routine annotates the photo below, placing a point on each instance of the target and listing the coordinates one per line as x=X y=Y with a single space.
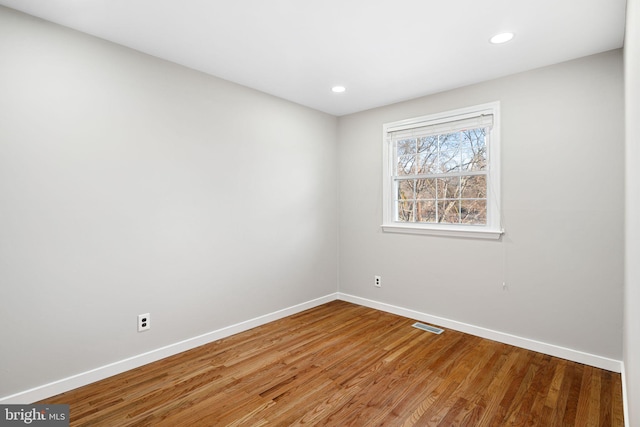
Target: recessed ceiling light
x=338 y=89
x=501 y=38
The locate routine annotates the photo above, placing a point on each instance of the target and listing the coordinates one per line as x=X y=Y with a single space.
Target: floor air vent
x=428 y=328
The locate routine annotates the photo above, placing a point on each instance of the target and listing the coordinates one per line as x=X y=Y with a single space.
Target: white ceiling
x=383 y=51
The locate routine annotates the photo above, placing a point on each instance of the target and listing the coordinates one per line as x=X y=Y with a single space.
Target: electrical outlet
x=377 y=281
x=144 y=322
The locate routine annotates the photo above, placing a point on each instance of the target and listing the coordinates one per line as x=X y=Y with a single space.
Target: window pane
x=467 y=158
x=474 y=187
x=449 y=211
x=473 y=160
x=406 y=189
x=427 y=163
x=405 y=147
x=479 y=160
x=473 y=212
x=428 y=144
x=449 y=161
x=450 y=141
x=405 y=165
x=474 y=150
x=426 y=211
x=405 y=211
x=426 y=188
x=448 y=188
x=476 y=136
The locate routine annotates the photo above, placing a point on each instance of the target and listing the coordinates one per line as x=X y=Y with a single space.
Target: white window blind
x=441 y=126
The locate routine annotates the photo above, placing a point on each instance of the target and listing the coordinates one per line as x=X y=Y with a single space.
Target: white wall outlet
x=377 y=281
x=144 y=322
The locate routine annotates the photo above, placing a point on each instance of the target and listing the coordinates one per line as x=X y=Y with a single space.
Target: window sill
x=443 y=231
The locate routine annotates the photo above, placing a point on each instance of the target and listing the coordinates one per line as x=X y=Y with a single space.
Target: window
x=442 y=174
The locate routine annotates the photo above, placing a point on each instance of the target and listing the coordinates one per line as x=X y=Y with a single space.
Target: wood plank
x=343 y=364
x=617 y=416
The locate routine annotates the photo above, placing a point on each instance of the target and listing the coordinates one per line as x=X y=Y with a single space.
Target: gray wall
x=632 y=279
x=563 y=203
x=130 y=185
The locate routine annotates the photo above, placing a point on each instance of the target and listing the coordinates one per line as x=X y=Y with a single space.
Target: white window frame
x=493 y=228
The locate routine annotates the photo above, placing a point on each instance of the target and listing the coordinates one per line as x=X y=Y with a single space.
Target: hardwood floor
x=345 y=365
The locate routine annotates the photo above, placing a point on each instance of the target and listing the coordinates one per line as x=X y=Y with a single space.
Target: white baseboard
x=625 y=401
x=47 y=390
x=529 y=344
